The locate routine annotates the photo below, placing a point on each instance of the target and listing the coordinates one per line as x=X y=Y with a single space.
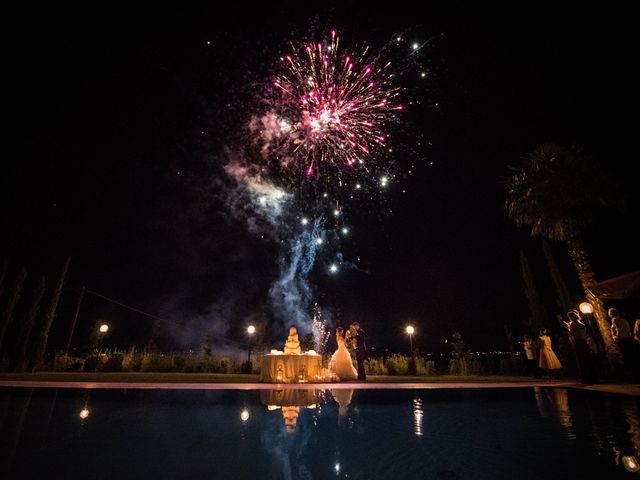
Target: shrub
x=460 y=364
x=191 y=365
x=476 y=366
x=113 y=363
x=425 y=368
x=65 y=363
x=511 y=366
x=208 y=364
x=255 y=367
x=146 y=361
x=132 y=361
x=246 y=367
x=411 y=365
x=94 y=363
x=375 y=366
x=157 y=362
x=203 y=366
x=397 y=364
x=223 y=366
x=179 y=362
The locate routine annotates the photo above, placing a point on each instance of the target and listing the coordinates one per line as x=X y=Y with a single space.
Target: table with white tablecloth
x=295 y=368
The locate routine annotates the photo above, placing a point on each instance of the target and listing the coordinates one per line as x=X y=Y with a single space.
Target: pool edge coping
x=624 y=389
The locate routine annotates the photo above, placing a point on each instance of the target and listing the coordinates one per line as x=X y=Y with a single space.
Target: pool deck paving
x=627 y=389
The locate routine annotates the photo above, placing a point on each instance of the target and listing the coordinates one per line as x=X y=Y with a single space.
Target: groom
x=361 y=349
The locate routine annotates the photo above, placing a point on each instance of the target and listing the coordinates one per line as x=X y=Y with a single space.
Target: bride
x=341 y=359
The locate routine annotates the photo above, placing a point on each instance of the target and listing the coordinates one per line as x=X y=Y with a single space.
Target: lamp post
x=630 y=463
x=250 y=330
x=586 y=307
x=102 y=331
x=410 y=330
x=412 y=361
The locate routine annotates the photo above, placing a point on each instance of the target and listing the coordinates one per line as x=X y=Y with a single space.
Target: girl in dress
x=548 y=359
x=341 y=359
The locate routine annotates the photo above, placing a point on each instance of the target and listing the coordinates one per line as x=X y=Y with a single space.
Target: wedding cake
x=292 y=345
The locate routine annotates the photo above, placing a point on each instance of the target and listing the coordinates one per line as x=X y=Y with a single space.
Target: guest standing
x=621 y=333
x=548 y=359
x=361 y=350
x=529 y=345
x=578 y=335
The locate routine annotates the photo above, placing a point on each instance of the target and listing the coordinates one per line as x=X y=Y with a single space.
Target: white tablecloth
x=289 y=368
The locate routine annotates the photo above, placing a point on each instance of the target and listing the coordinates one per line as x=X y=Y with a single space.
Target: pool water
x=523 y=433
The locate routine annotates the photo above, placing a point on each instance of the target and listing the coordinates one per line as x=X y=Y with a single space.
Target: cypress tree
x=3 y=272
x=40 y=341
x=18 y=360
x=6 y=316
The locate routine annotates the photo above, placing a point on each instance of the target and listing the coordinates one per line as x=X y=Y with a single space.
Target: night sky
x=117 y=122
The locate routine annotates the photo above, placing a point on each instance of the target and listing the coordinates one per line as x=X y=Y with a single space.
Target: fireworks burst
x=326 y=113
x=320 y=330
x=330 y=110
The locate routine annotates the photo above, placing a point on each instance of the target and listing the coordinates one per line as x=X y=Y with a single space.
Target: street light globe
x=104 y=328
x=244 y=415
x=410 y=330
x=586 y=307
x=84 y=413
x=630 y=463
x=251 y=329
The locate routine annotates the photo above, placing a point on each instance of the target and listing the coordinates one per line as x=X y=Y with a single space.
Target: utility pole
x=75 y=318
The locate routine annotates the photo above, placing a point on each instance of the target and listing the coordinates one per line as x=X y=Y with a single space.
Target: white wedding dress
x=341 y=361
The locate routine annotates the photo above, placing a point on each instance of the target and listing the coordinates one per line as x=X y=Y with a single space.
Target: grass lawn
x=151 y=377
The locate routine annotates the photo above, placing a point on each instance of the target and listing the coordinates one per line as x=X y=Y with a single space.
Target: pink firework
x=332 y=108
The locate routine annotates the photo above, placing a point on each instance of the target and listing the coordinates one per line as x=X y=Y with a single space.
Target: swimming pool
x=524 y=433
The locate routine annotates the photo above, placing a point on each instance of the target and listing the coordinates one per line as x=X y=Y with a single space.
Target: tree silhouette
x=28 y=321
x=42 y=337
x=555 y=193
x=537 y=314
x=6 y=317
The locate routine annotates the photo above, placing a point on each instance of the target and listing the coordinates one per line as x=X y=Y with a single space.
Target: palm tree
x=538 y=315
x=555 y=192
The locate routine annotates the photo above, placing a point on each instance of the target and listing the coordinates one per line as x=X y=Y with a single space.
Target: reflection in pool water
x=314 y=434
x=632 y=414
x=555 y=402
x=290 y=401
x=417 y=415
x=343 y=398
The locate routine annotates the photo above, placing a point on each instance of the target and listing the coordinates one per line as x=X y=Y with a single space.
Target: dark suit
x=361 y=353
